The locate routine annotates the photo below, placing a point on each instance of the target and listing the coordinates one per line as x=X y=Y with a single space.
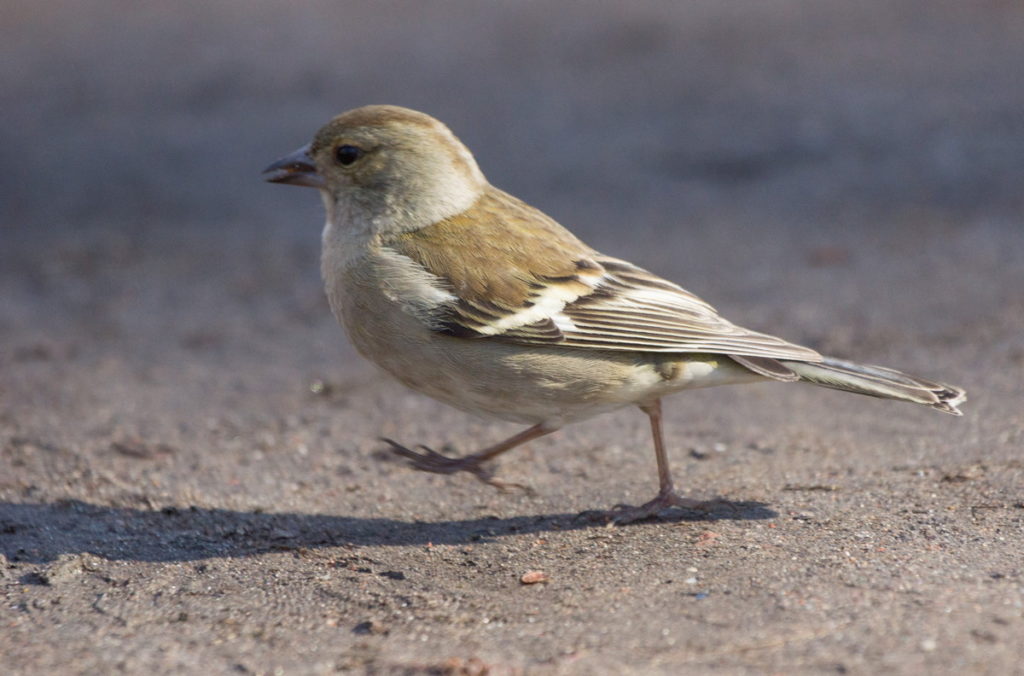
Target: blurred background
x=139 y=112
x=846 y=174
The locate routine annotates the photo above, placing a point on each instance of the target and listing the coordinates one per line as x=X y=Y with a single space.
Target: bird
x=471 y=296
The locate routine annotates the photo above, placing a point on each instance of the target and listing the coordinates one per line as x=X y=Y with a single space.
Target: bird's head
x=386 y=166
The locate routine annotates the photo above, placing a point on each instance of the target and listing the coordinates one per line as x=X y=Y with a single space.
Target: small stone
x=321 y=388
x=534 y=577
x=371 y=627
x=928 y=645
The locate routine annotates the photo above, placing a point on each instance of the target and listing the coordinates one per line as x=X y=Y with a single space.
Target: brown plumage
x=501 y=257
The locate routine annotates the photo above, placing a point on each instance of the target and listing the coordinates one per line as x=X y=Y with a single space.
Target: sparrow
x=471 y=296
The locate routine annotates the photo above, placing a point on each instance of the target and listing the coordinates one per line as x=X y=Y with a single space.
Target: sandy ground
x=190 y=477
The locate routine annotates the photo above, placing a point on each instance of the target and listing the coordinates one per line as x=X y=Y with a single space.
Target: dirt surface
x=190 y=474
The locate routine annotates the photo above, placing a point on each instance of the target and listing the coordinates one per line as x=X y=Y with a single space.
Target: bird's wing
x=510 y=273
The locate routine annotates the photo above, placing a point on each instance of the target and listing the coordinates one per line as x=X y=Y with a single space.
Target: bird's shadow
x=40 y=532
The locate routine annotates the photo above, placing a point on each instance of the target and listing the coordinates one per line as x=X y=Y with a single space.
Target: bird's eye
x=346 y=154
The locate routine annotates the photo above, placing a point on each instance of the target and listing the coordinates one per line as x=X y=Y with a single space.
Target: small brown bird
x=473 y=297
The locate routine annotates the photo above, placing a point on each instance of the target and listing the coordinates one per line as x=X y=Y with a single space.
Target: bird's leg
x=428 y=460
x=667 y=497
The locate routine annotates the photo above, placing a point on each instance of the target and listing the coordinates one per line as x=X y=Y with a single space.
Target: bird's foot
x=622 y=514
x=428 y=460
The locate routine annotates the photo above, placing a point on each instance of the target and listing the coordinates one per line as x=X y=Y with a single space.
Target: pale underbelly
x=541 y=384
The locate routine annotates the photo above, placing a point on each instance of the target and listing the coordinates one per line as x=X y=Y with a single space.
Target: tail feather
x=877 y=381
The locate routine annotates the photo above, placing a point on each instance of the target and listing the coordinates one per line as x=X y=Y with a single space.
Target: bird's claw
x=426 y=459
x=623 y=514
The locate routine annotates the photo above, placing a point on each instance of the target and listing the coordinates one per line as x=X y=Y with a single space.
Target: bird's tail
x=876 y=381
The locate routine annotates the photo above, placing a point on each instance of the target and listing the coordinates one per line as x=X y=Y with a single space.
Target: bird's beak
x=295 y=169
